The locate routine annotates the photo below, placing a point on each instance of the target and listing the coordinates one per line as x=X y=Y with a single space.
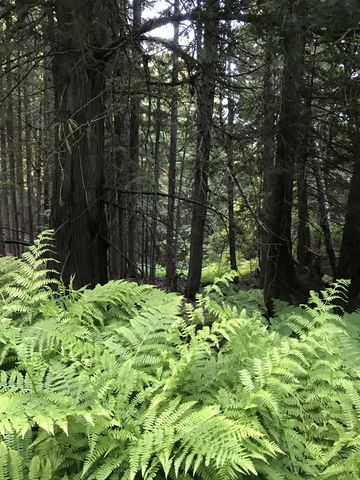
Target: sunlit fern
x=116 y=382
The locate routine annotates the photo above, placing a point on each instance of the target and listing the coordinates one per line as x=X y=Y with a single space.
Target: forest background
x=206 y=147
x=228 y=138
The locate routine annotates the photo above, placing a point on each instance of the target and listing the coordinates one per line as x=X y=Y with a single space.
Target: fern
x=124 y=381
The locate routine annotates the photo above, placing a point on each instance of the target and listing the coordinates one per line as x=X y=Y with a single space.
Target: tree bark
x=10 y=132
x=78 y=213
x=268 y=152
x=2 y=243
x=135 y=103
x=205 y=90
x=157 y=165
x=230 y=186
x=349 y=261
x=171 y=252
x=28 y=154
x=19 y=167
x=304 y=239
x=280 y=280
x=324 y=212
x=4 y=178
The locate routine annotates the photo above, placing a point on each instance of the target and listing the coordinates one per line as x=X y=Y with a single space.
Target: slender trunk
x=2 y=243
x=147 y=241
x=48 y=140
x=280 y=280
x=304 y=238
x=19 y=166
x=268 y=151
x=4 y=178
x=324 y=212
x=10 y=132
x=121 y=130
x=78 y=213
x=174 y=286
x=205 y=90
x=157 y=166
x=170 y=234
x=28 y=154
x=133 y=177
x=230 y=185
x=134 y=158
x=38 y=157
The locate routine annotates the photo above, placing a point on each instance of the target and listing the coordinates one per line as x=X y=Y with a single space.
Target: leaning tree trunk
x=279 y=276
x=78 y=214
x=205 y=89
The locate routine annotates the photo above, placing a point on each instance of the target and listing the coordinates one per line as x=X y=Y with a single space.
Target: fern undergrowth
x=127 y=382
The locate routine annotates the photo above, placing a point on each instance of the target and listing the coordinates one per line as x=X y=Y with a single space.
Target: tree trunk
x=78 y=213
x=157 y=166
x=134 y=157
x=2 y=243
x=121 y=129
x=230 y=186
x=304 y=239
x=324 y=212
x=19 y=167
x=268 y=152
x=28 y=154
x=280 y=279
x=205 y=89
x=349 y=262
x=170 y=233
x=10 y=132
x=4 y=179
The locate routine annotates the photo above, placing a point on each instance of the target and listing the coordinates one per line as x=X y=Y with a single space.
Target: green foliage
x=242 y=298
x=7 y=267
x=212 y=271
x=116 y=383
x=215 y=270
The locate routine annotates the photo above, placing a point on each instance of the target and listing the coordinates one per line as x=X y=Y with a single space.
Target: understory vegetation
x=125 y=381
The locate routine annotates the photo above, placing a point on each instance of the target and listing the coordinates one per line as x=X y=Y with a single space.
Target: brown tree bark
x=118 y=172
x=324 y=211
x=11 y=142
x=279 y=277
x=230 y=186
x=28 y=155
x=4 y=178
x=170 y=229
x=135 y=103
x=20 y=166
x=304 y=239
x=268 y=152
x=349 y=261
x=205 y=90
x=78 y=213
x=2 y=243
x=157 y=166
